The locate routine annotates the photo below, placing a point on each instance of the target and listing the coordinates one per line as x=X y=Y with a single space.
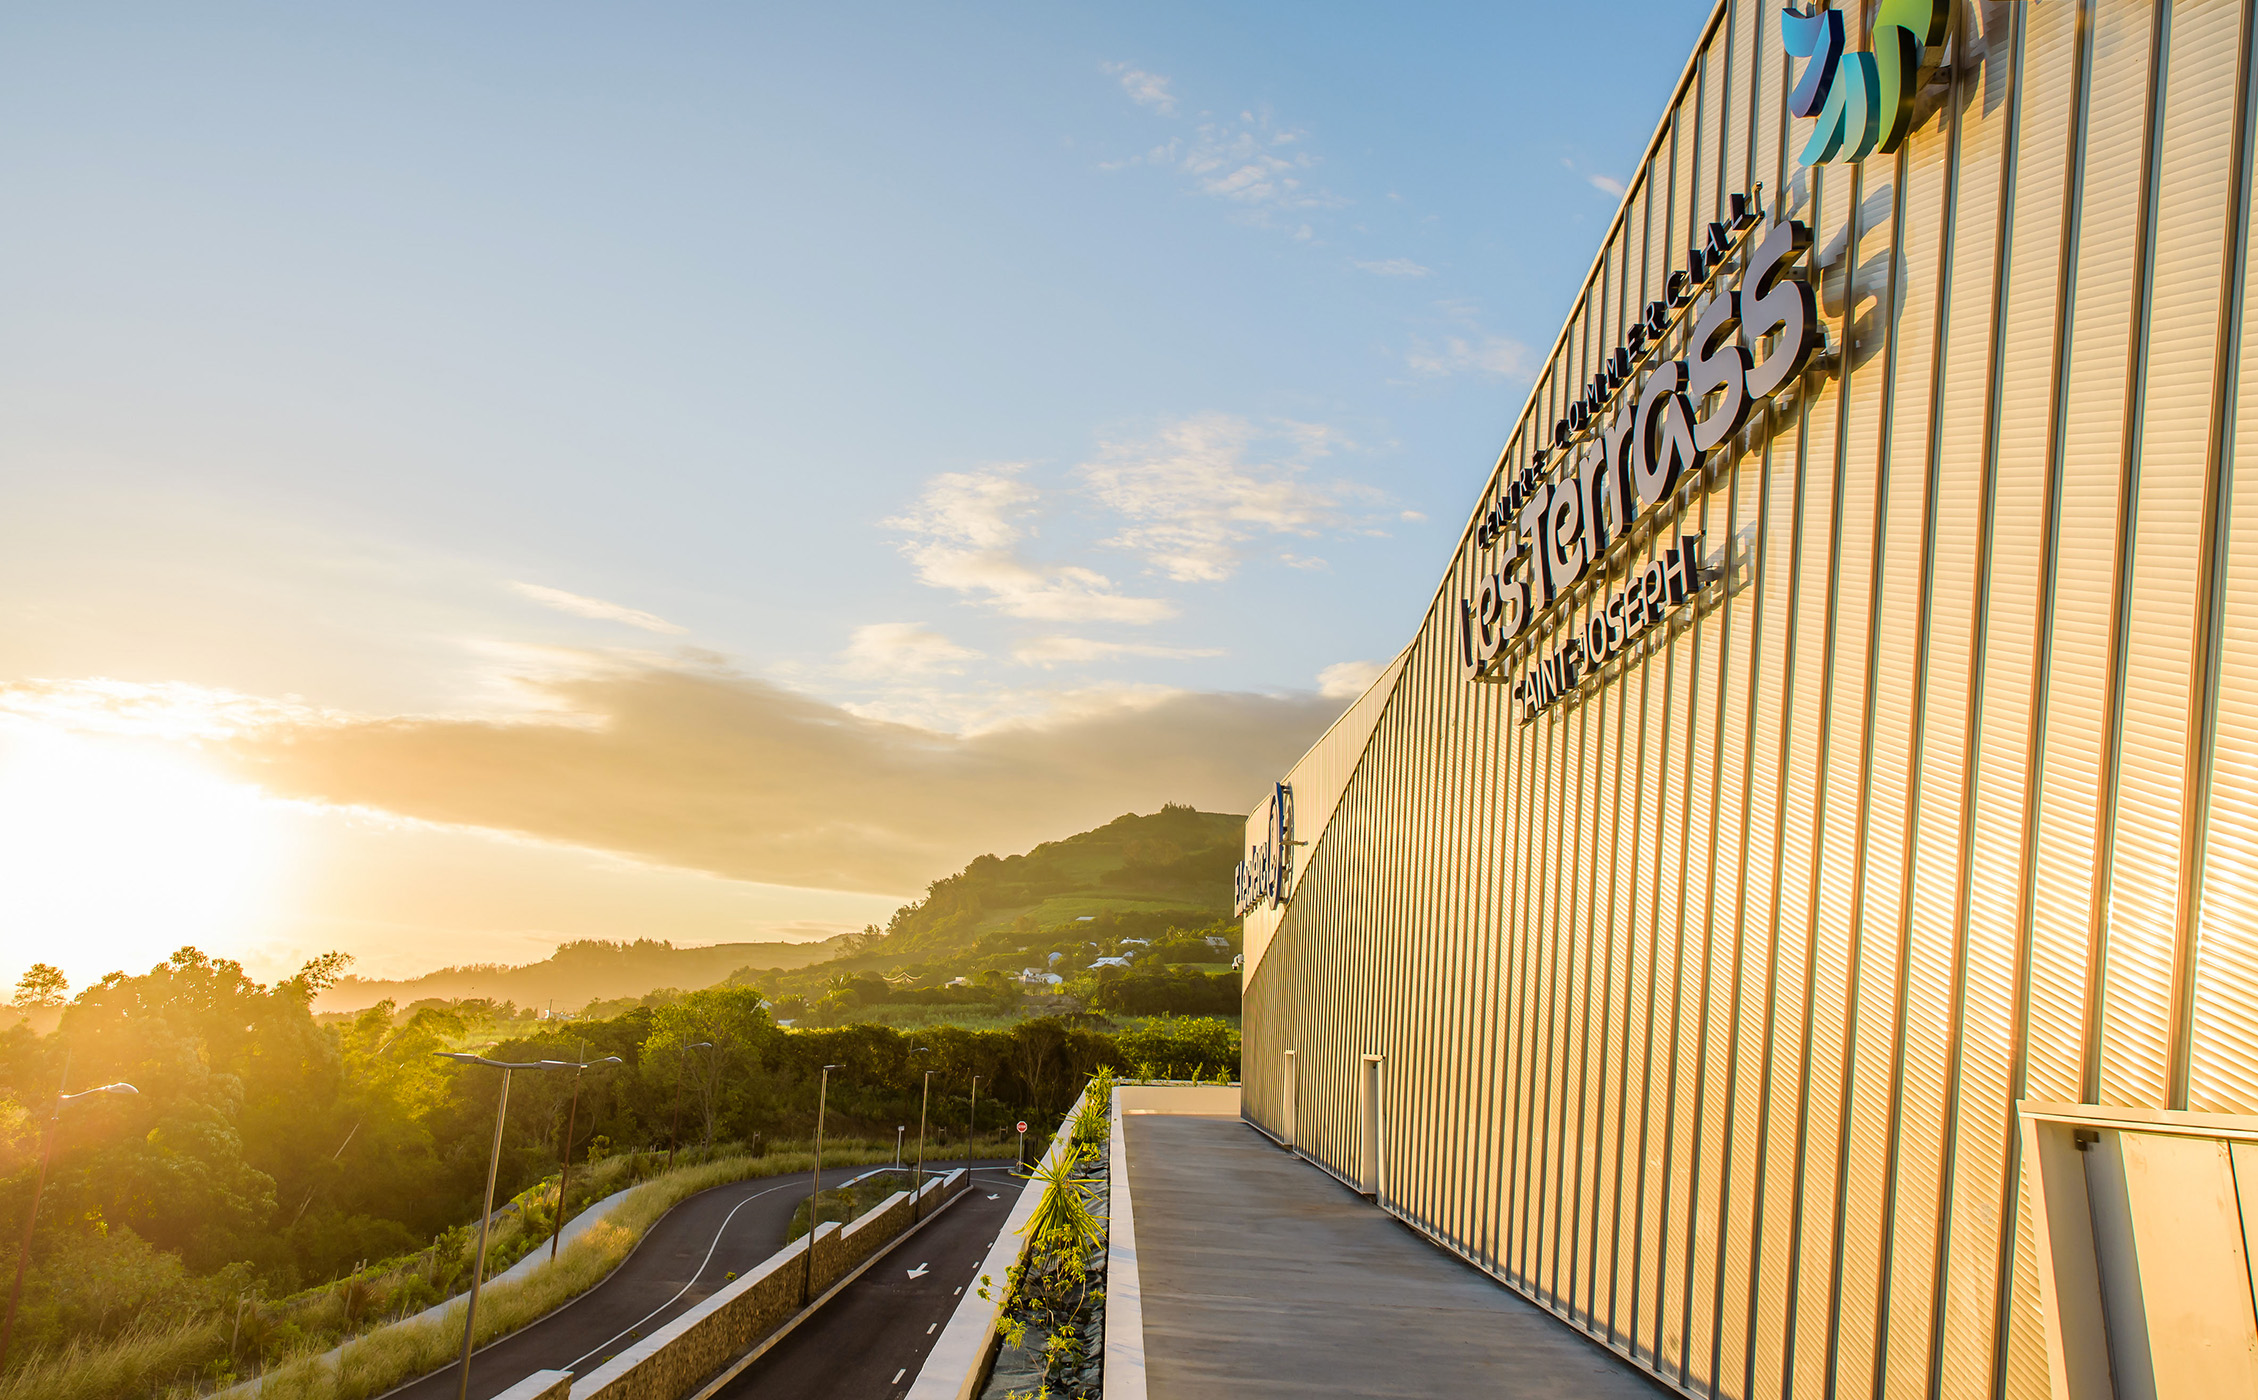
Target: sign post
x=1023 y=1144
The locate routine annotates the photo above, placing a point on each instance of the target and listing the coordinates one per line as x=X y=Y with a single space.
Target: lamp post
x=46 y=1154
x=917 y=1187
x=972 y=1124
x=815 y=1181
x=493 y=1167
x=572 y=1121
x=674 y=1124
x=713 y=1089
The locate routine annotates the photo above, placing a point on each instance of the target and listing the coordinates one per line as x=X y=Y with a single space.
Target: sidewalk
x=1262 y=1275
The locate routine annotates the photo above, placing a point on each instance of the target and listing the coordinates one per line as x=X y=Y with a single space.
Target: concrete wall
x=1213 y=1100
x=671 y=1362
x=541 y=1385
x=955 y=1366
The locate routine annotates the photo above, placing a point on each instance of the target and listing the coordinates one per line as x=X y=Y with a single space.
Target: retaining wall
x=674 y=1360
x=954 y=1367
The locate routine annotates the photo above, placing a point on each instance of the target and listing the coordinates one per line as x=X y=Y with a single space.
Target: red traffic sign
x=1023 y=1125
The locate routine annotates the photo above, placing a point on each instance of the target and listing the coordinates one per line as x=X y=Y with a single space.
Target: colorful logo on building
x=1863 y=99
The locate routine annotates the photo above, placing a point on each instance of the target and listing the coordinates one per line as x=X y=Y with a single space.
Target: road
x=686 y=1256
x=868 y=1342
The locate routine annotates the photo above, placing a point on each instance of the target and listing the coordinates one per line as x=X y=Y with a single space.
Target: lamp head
x=103 y=1089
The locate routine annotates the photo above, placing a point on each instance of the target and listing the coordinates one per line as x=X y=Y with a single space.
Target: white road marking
x=574 y=1364
x=956 y=1290
x=919 y=1271
x=934 y=1328
x=897 y=1380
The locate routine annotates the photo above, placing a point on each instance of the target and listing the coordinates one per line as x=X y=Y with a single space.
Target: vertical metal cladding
x=1707 y=972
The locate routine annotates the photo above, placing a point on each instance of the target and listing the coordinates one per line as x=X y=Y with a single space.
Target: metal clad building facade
x=1698 y=1005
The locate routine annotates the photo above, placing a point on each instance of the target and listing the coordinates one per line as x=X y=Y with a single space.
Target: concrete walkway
x=1264 y=1276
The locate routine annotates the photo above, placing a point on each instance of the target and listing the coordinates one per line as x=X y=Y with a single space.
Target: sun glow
x=115 y=852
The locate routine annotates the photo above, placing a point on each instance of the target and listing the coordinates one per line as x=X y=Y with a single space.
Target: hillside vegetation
x=578 y=973
x=1177 y=860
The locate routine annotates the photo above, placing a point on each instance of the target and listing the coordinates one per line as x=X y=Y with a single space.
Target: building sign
x=1266 y=875
x=1652 y=595
x=1617 y=455
x=1863 y=99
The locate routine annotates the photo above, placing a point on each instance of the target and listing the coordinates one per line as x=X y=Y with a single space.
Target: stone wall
x=671 y=1362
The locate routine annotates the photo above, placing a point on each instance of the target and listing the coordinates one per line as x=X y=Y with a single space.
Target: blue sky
x=974 y=370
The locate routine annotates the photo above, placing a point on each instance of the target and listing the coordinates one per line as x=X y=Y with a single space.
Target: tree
x=732 y=1020
x=43 y=986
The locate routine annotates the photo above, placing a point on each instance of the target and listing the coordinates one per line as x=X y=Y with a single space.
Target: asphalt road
x=686 y=1256
x=868 y=1343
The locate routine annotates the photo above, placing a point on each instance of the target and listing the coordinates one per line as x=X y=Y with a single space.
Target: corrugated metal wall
x=1707 y=995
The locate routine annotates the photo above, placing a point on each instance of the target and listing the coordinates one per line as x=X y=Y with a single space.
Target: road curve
x=686 y=1256
x=868 y=1343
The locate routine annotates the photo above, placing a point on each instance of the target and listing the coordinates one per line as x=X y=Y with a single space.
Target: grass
x=847 y=1203
x=392 y=1355
x=971 y=1018
x=193 y=1358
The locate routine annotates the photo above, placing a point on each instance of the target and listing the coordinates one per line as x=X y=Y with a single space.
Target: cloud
x=719 y=772
x=1395 y=267
x=903 y=648
x=1196 y=493
x=964 y=535
x=594 y=607
x=1254 y=165
x=1057 y=651
x=1345 y=680
x=1468 y=348
x=1607 y=184
x=1145 y=89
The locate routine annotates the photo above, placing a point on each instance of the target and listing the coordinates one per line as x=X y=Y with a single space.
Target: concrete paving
x=1264 y=1276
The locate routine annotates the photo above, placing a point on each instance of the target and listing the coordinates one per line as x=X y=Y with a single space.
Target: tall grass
x=178 y=1361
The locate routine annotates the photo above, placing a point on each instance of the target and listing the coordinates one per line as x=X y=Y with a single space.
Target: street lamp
x=972 y=1125
x=493 y=1167
x=713 y=1089
x=917 y=1187
x=900 y=1131
x=46 y=1153
x=815 y=1182
x=674 y=1124
x=572 y=1120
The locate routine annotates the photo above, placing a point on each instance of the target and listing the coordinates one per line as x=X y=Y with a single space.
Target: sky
x=473 y=477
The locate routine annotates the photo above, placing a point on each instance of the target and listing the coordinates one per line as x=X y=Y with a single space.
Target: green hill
x=1175 y=860
x=1134 y=877
x=578 y=973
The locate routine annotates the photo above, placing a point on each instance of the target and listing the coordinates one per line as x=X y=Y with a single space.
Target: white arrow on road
x=919 y=1271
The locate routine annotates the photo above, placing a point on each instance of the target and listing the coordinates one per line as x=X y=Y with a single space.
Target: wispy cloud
x=1466 y=347
x=881 y=649
x=1048 y=652
x=1345 y=680
x=1255 y=165
x=1395 y=267
x=965 y=534
x=1606 y=184
x=597 y=608
x=1195 y=494
x=1144 y=89
x=1260 y=168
